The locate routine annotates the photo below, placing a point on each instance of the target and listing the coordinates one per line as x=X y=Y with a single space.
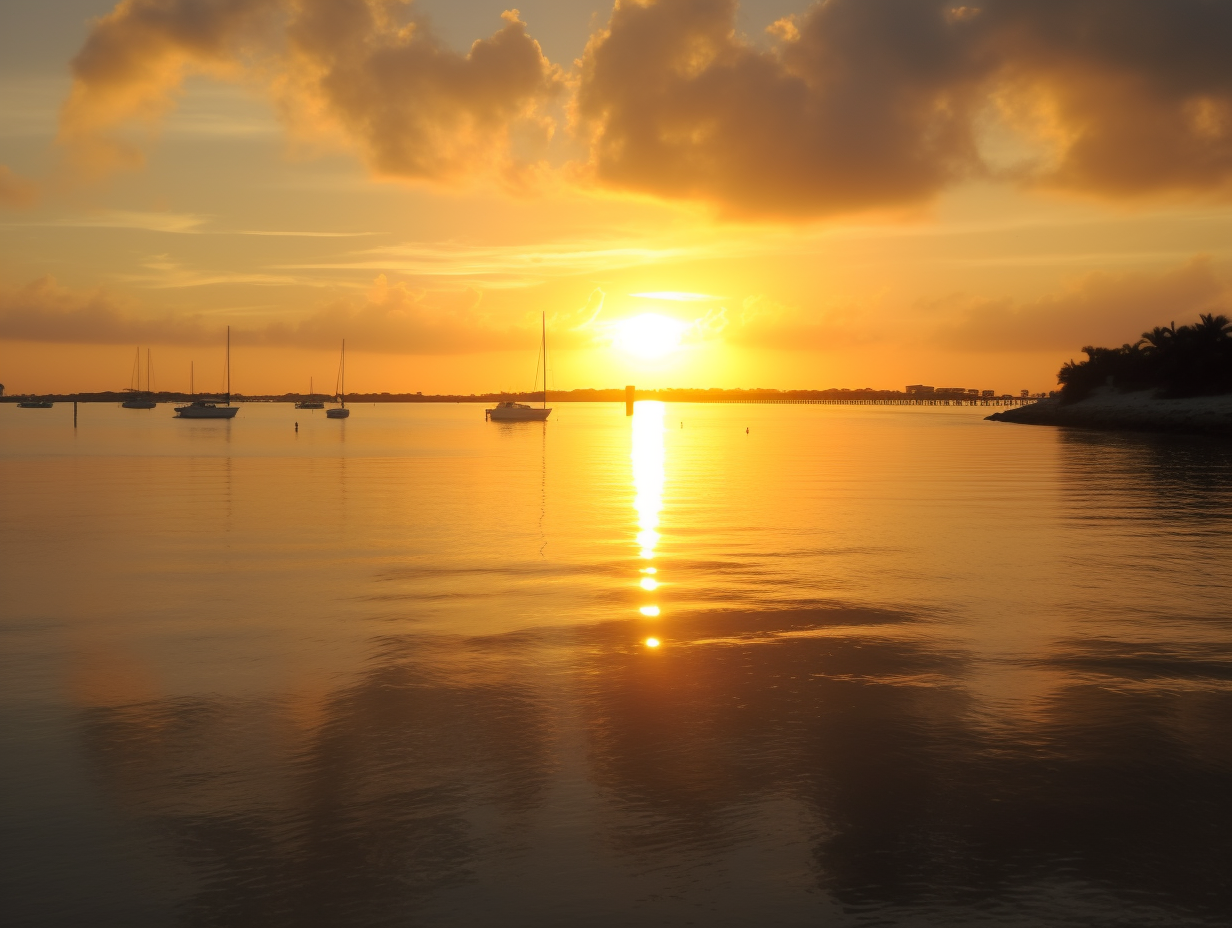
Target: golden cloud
x=413 y=108
x=855 y=104
x=16 y=192
x=868 y=103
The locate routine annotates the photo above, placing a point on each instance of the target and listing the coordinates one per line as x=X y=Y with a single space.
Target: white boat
x=312 y=402
x=517 y=412
x=341 y=412
x=521 y=412
x=205 y=409
x=138 y=399
x=209 y=409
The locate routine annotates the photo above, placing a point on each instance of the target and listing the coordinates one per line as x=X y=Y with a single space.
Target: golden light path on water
x=648 y=477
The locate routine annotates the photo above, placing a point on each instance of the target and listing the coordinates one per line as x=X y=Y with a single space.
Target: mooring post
x=629 y=391
x=74 y=414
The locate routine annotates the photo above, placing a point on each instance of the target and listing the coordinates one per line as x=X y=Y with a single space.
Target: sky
x=691 y=193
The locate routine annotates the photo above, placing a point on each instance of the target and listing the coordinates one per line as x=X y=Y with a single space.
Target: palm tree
x=1212 y=327
x=1160 y=337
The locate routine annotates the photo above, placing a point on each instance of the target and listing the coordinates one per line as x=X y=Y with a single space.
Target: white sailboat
x=209 y=409
x=137 y=401
x=341 y=412
x=521 y=412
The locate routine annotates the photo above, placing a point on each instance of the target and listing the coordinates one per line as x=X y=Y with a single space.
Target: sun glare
x=649 y=335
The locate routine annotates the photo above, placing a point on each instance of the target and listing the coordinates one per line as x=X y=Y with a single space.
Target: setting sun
x=649 y=335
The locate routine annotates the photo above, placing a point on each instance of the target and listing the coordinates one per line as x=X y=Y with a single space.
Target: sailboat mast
x=543 y=319
x=342 y=395
x=147 y=370
x=228 y=365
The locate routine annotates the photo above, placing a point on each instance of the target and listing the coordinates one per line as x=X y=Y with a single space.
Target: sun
x=649 y=335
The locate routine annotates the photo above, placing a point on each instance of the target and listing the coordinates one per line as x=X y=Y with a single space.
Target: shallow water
x=914 y=669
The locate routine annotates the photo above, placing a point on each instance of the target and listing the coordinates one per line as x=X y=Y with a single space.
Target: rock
x=1143 y=411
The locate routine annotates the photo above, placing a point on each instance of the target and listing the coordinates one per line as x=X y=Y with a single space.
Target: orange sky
x=860 y=193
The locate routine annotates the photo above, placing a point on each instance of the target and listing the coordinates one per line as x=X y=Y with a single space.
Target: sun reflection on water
x=648 y=476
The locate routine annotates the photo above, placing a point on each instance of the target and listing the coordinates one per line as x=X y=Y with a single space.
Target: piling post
x=74 y=414
x=629 y=391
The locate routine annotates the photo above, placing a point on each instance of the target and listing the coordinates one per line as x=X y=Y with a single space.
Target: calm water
x=915 y=669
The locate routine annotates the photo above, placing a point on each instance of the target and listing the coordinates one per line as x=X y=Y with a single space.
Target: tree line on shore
x=1193 y=360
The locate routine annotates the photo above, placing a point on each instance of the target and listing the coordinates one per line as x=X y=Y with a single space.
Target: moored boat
x=209 y=409
x=341 y=412
x=521 y=412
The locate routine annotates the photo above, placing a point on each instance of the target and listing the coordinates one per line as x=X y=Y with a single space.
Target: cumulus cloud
x=364 y=69
x=15 y=191
x=390 y=317
x=867 y=103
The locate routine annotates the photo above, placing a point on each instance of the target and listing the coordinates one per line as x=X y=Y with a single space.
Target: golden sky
x=695 y=192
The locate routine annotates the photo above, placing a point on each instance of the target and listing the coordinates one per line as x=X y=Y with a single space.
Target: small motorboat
x=35 y=404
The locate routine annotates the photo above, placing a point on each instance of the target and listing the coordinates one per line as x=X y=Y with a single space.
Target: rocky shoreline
x=1141 y=411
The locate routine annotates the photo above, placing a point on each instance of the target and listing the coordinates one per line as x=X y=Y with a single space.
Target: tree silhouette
x=1193 y=360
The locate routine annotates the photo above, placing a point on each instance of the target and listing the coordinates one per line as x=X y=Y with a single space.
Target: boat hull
x=309 y=405
x=341 y=413
x=139 y=404
x=35 y=405
x=206 y=412
x=530 y=414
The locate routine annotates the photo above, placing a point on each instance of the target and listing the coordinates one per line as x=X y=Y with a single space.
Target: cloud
x=15 y=191
x=1099 y=309
x=869 y=103
x=354 y=68
x=392 y=318
x=853 y=105
x=44 y=311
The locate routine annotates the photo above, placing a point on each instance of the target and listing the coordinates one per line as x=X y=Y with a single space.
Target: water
x=914 y=669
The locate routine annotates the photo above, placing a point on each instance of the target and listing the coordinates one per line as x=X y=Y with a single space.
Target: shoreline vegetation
x=1171 y=380
x=924 y=396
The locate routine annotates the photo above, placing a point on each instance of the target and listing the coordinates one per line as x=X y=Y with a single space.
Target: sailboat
x=312 y=402
x=520 y=412
x=341 y=412
x=135 y=401
x=209 y=409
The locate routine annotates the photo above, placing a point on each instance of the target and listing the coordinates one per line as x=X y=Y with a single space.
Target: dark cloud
x=867 y=103
x=360 y=68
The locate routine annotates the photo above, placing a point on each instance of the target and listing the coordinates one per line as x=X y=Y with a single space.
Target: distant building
x=988 y=393
x=1026 y=393
x=920 y=388
x=951 y=389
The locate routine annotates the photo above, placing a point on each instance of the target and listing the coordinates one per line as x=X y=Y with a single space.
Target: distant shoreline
x=671 y=395
x=1141 y=411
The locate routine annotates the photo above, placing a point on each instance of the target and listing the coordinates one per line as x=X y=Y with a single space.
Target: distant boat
x=209 y=409
x=520 y=412
x=310 y=403
x=135 y=401
x=341 y=412
x=35 y=404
